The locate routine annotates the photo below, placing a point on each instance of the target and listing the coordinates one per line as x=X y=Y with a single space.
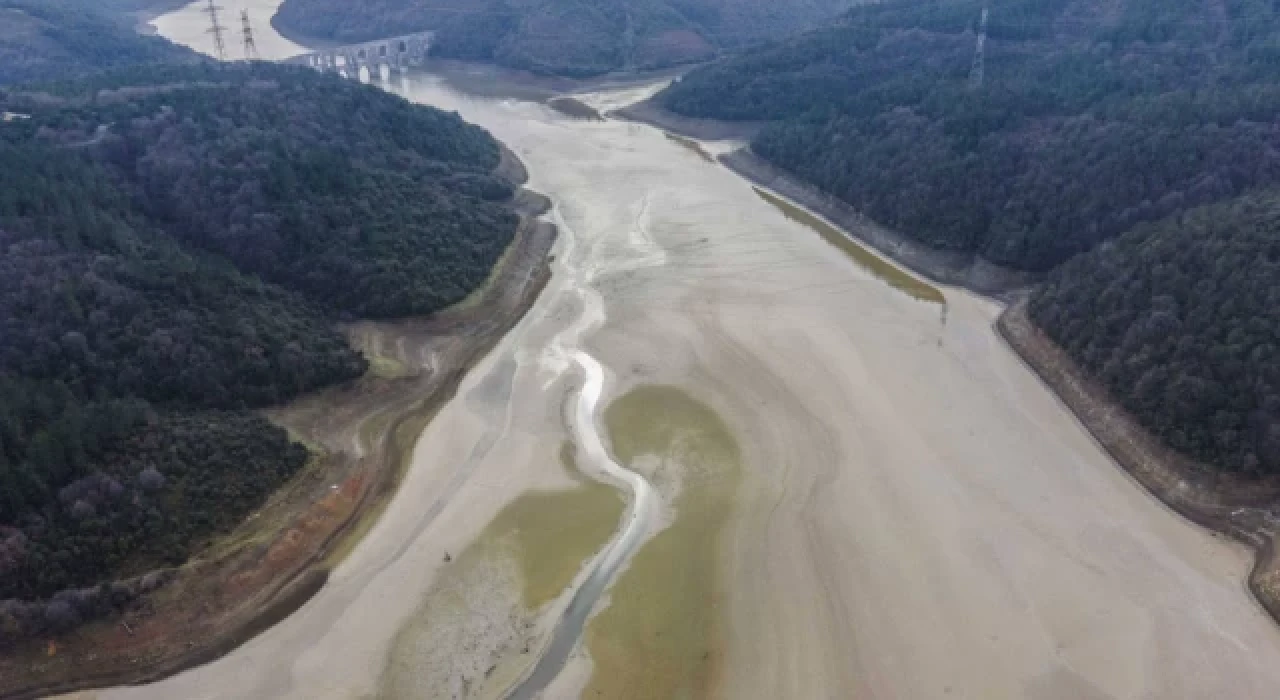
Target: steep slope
x=1084 y=124
x=1180 y=319
x=58 y=39
x=1152 y=121
x=566 y=37
x=175 y=243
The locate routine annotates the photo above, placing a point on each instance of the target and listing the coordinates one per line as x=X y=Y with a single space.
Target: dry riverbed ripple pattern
x=898 y=508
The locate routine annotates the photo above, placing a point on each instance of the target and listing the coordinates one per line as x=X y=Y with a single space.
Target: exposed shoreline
x=1239 y=509
x=361 y=434
x=530 y=85
x=913 y=526
x=960 y=269
x=649 y=112
x=142 y=17
x=917 y=513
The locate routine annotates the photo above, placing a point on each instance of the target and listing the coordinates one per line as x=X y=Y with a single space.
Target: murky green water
x=882 y=269
x=544 y=537
x=660 y=636
x=554 y=532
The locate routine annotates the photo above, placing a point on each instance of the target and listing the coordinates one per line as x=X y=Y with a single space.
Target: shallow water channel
x=834 y=492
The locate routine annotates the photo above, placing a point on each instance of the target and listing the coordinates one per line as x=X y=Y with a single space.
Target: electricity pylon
x=216 y=29
x=250 y=48
x=979 y=54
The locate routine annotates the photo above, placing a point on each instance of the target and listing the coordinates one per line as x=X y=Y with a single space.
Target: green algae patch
x=555 y=532
x=551 y=534
x=660 y=636
x=387 y=368
x=691 y=145
x=538 y=542
x=879 y=267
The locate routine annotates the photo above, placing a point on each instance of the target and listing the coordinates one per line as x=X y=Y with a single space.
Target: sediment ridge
x=650 y=112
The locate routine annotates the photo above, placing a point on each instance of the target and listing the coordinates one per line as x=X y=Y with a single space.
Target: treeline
x=562 y=37
x=57 y=39
x=1085 y=123
x=1131 y=153
x=367 y=205
x=1180 y=319
x=175 y=245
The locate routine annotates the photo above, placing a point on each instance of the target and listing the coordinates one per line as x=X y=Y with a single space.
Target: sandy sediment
x=917 y=515
x=648 y=111
x=361 y=435
x=920 y=518
x=961 y=269
x=189 y=26
x=475 y=630
x=491 y=80
x=1244 y=509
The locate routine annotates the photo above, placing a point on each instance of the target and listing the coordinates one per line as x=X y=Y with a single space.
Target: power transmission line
x=250 y=48
x=979 y=54
x=217 y=30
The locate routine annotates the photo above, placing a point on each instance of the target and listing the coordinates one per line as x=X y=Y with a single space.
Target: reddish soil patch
x=362 y=434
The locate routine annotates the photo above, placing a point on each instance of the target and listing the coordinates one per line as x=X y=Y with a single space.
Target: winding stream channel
x=568 y=630
x=839 y=482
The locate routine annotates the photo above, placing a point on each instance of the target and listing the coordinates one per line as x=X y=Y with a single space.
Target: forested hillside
x=1180 y=319
x=175 y=245
x=564 y=37
x=58 y=39
x=1088 y=119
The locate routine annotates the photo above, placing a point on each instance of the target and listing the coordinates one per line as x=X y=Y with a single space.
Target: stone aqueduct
x=397 y=53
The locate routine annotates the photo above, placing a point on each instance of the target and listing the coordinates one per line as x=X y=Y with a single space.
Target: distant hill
x=1086 y=121
x=43 y=40
x=176 y=242
x=566 y=37
x=1130 y=150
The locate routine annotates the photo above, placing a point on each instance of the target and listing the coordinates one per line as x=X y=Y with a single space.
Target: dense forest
x=1180 y=319
x=1085 y=122
x=176 y=242
x=562 y=37
x=1154 y=122
x=58 y=39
